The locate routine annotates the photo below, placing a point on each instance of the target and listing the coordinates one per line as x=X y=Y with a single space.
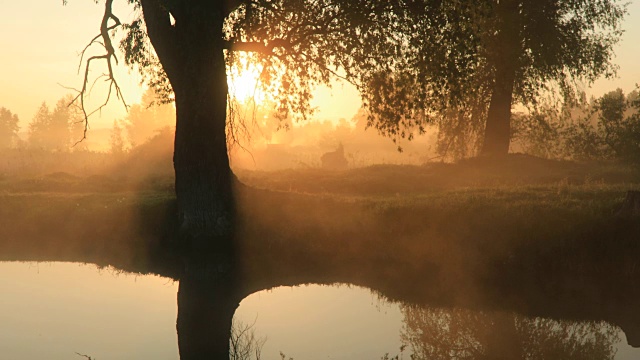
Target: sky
x=40 y=42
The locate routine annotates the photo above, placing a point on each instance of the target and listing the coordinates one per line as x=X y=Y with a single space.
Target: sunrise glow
x=244 y=83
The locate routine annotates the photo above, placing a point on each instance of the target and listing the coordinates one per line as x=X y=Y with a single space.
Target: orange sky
x=40 y=45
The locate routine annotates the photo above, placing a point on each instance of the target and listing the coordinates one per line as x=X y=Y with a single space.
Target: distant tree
x=52 y=130
x=611 y=108
x=116 y=140
x=480 y=58
x=59 y=127
x=184 y=49
x=8 y=128
x=39 y=127
x=145 y=119
x=605 y=128
x=618 y=125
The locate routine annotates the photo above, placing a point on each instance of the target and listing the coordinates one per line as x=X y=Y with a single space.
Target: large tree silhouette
x=184 y=50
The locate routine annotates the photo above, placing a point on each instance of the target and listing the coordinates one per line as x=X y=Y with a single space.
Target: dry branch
x=109 y=56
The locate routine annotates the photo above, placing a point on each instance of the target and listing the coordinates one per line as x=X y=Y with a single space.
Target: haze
x=409 y=180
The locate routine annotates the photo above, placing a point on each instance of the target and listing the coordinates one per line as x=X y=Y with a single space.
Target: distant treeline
x=605 y=128
x=61 y=129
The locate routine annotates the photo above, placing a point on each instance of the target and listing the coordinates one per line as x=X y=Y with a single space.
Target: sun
x=244 y=84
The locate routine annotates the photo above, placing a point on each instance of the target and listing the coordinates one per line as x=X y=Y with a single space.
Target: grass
x=513 y=171
x=529 y=234
x=477 y=209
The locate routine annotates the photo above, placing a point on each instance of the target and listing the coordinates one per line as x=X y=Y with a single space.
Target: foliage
x=8 y=128
x=454 y=49
x=295 y=46
x=607 y=128
x=38 y=127
x=56 y=130
x=116 y=140
x=542 y=132
x=619 y=123
x=459 y=132
x=465 y=334
x=145 y=119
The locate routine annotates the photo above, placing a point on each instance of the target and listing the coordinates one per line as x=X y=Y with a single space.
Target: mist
x=469 y=198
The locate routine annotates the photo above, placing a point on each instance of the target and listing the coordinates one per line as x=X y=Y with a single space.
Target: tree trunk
x=189 y=44
x=201 y=163
x=191 y=51
x=504 y=53
x=497 y=134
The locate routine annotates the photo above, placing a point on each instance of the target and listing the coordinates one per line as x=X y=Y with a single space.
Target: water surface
x=55 y=310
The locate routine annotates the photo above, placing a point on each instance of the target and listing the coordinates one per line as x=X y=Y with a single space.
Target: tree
x=184 y=49
x=52 y=130
x=116 y=140
x=60 y=122
x=38 y=128
x=145 y=119
x=610 y=129
x=482 y=58
x=8 y=128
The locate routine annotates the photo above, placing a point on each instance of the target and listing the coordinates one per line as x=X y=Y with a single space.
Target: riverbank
x=472 y=214
x=511 y=236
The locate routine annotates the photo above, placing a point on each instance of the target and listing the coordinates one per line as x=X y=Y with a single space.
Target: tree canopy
x=56 y=129
x=296 y=45
x=185 y=49
x=468 y=62
x=8 y=128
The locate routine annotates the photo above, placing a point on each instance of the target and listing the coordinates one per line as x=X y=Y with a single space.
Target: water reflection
x=278 y=246
x=51 y=311
x=207 y=301
x=436 y=334
x=323 y=322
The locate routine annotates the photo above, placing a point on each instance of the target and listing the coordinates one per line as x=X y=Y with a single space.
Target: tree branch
x=84 y=356
x=108 y=56
x=161 y=34
x=232 y=5
x=256 y=46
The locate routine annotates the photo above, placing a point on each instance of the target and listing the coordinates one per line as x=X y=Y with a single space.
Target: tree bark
x=497 y=134
x=191 y=51
x=504 y=53
x=203 y=176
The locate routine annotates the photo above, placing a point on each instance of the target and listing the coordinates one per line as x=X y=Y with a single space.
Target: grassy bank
x=524 y=233
x=468 y=213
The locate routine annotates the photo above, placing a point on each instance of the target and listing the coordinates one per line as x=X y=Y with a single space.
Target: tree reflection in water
x=461 y=334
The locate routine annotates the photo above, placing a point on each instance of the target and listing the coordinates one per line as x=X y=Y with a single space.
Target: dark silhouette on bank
x=335 y=160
